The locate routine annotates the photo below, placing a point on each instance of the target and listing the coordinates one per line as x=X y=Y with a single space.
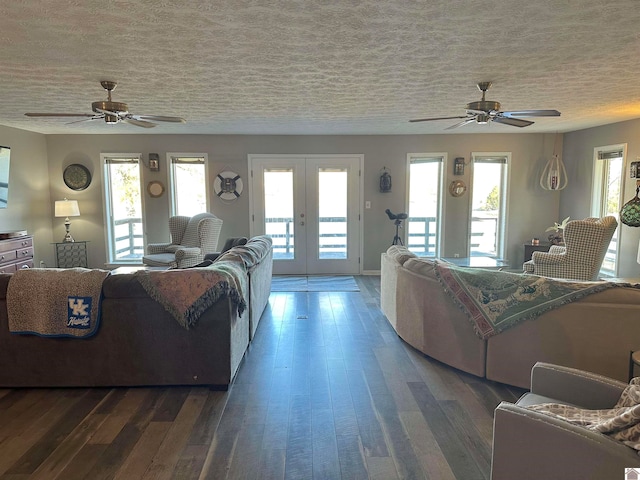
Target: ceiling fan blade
x=515 y=122
x=138 y=123
x=159 y=118
x=531 y=113
x=59 y=114
x=437 y=118
x=94 y=117
x=462 y=123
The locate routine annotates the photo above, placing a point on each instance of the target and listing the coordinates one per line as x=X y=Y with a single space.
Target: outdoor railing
x=128 y=238
x=332 y=241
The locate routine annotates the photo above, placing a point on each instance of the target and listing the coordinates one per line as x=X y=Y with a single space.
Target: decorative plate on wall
x=227 y=185
x=76 y=176
x=155 y=189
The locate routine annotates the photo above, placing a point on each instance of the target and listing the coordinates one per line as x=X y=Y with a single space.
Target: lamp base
x=67 y=238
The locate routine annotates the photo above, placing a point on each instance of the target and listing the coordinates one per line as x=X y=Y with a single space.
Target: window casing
x=123 y=204
x=489 y=193
x=606 y=196
x=188 y=183
x=423 y=227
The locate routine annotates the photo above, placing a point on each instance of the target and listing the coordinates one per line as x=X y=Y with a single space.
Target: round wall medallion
x=76 y=176
x=155 y=189
x=227 y=185
x=457 y=188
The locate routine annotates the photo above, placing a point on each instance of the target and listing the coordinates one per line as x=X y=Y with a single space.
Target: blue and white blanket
x=53 y=302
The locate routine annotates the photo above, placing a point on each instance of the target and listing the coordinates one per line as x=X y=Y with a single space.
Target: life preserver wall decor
x=227 y=185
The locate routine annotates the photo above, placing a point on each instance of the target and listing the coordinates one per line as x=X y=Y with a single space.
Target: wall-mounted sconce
x=385 y=181
x=154 y=162
x=458 y=166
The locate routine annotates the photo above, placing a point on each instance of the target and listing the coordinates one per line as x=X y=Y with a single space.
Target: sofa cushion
x=252 y=253
x=400 y=253
x=421 y=266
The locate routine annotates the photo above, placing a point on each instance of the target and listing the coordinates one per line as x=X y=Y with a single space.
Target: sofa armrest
x=187 y=252
x=541 y=258
x=573 y=386
x=157 y=248
x=530 y=445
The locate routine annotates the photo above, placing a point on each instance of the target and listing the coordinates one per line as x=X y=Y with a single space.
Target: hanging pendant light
x=554 y=175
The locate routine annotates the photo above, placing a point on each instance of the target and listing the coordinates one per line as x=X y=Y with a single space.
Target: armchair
x=191 y=239
x=586 y=243
x=530 y=445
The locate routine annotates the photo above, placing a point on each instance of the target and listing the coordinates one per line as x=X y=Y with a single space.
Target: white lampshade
x=67 y=208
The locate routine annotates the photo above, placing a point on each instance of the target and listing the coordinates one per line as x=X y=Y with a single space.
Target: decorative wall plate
x=227 y=185
x=457 y=188
x=76 y=176
x=155 y=189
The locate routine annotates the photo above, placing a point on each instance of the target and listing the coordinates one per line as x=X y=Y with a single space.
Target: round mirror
x=457 y=188
x=155 y=189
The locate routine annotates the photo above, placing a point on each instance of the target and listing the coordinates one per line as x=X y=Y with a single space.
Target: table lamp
x=67 y=208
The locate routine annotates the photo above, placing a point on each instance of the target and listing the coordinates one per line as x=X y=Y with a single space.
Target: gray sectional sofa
x=138 y=341
x=595 y=333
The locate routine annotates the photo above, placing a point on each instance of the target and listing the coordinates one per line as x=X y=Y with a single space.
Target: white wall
x=29 y=207
x=578 y=158
x=531 y=209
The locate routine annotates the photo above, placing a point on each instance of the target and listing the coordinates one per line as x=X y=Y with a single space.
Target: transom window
x=424 y=200
x=488 y=204
x=188 y=183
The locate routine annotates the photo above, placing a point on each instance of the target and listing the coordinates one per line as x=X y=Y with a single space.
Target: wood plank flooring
x=326 y=391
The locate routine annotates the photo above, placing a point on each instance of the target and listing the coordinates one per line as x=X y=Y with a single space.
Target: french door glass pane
x=332 y=213
x=278 y=211
x=424 y=178
x=126 y=201
x=485 y=208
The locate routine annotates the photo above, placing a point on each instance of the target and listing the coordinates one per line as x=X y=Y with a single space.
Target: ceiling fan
x=486 y=111
x=113 y=112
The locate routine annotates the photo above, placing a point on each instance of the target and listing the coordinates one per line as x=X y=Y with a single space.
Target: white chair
x=191 y=239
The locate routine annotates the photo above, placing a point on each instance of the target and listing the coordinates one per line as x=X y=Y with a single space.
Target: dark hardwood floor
x=326 y=391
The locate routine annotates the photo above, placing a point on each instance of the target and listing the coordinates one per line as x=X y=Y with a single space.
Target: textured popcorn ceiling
x=319 y=66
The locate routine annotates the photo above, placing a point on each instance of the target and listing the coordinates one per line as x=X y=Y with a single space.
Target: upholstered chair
x=228 y=245
x=586 y=243
x=532 y=445
x=191 y=239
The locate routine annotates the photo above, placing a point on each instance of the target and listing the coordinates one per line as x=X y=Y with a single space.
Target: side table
x=71 y=254
x=529 y=249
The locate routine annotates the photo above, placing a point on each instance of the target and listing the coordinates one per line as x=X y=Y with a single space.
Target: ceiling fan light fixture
x=482 y=118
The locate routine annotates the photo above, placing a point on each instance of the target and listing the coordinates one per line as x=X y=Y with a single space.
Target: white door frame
x=253 y=225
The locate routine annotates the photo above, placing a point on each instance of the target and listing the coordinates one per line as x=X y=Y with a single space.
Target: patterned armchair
x=191 y=239
x=586 y=243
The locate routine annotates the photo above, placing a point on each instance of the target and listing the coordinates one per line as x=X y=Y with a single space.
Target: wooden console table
x=16 y=253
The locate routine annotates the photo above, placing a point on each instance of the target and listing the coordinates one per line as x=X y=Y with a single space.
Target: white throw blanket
x=54 y=302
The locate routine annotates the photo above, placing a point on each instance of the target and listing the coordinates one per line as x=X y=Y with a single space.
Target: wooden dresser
x=16 y=253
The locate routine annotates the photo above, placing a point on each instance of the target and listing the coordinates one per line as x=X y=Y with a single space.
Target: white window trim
x=171 y=189
x=107 y=207
x=504 y=203
x=596 y=197
x=444 y=168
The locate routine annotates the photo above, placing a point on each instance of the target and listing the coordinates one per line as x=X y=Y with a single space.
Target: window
x=424 y=199
x=188 y=179
x=488 y=204
x=605 y=198
x=123 y=207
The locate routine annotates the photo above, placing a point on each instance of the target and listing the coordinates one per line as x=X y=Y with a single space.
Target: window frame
x=171 y=177
x=505 y=177
x=108 y=207
x=442 y=159
x=598 y=193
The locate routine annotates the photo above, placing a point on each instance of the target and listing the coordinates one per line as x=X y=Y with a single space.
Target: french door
x=310 y=206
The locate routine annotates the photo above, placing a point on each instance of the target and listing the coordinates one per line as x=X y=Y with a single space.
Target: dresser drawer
x=16 y=244
x=24 y=253
x=24 y=264
x=6 y=257
x=11 y=268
